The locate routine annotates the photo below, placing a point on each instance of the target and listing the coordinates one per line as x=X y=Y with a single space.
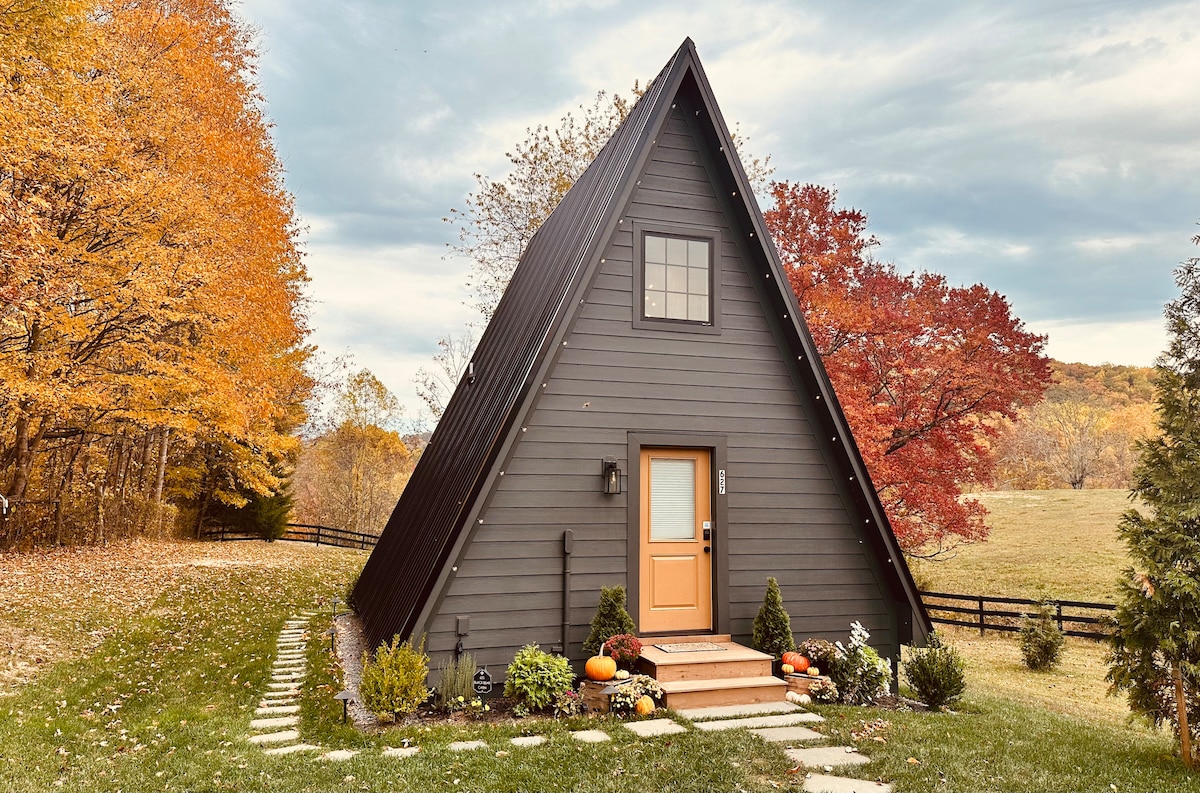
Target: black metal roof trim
x=410 y=562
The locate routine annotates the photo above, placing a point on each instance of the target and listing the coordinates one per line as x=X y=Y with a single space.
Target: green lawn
x=1043 y=543
x=162 y=700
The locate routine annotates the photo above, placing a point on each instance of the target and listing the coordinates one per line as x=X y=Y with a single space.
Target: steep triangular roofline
x=442 y=504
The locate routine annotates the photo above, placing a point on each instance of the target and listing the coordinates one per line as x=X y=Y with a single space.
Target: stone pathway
x=276 y=717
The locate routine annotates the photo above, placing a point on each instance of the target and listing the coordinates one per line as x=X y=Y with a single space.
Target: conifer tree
x=611 y=619
x=1156 y=644
x=773 y=625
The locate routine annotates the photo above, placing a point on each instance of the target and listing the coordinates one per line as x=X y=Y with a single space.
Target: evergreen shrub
x=936 y=673
x=611 y=619
x=773 y=625
x=1041 y=640
x=393 y=682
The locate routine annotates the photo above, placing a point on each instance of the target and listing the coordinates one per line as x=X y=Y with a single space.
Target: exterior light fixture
x=612 y=477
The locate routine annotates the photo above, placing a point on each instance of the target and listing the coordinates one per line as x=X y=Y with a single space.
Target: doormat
x=689 y=647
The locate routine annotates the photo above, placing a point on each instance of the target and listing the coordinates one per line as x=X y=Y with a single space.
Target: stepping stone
x=280 y=677
x=788 y=734
x=296 y=747
x=289 y=666
x=529 y=740
x=290 y=654
x=654 y=727
x=466 y=746
x=339 y=754
x=782 y=720
x=820 y=783
x=591 y=736
x=730 y=711
x=276 y=710
x=285 y=693
x=827 y=755
x=288 y=687
x=271 y=724
x=401 y=751
x=276 y=737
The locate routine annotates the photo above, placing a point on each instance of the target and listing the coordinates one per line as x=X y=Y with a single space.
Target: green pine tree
x=1155 y=658
x=611 y=619
x=773 y=625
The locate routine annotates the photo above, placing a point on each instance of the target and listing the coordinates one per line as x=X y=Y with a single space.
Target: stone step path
x=278 y=706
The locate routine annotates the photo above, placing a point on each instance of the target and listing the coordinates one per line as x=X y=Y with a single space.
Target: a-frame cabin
x=648 y=343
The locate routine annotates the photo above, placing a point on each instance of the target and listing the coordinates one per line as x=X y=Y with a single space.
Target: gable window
x=676 y=278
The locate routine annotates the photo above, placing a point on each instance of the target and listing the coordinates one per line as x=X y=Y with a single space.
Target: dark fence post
x=1058 y=610
x=318 y=535
x=982 y=621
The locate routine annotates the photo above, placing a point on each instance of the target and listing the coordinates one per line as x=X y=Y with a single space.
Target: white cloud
x=1135 y=343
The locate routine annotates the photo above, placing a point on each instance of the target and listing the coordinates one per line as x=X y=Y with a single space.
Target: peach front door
x=675 y=581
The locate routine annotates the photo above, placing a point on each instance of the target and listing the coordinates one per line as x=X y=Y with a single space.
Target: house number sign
x=482 y=682
x=721 y=481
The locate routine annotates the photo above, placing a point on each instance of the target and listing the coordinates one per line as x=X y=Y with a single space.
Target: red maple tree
x=923 y=370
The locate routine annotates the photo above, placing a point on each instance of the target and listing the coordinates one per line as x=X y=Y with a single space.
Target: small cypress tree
x=1156 y=642
x=611 y=619
x=773 y=626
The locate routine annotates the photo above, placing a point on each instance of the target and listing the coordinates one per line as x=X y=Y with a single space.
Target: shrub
x=394 y=681
x=536 y=678
x=1041 y=640
x=624 y=648
x=456 y=684
x=820 y=653
x=625 y=698
x=860 y=674
x=611 y=619
x=936 y=673
x=772 y=625
x=568 y=703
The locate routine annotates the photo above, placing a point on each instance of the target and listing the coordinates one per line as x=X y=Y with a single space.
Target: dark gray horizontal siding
x=786 y=504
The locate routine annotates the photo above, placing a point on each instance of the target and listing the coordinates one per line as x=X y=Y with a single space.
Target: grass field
x=1043 y=544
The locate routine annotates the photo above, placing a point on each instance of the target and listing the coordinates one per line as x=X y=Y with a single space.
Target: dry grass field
x=1059 y=544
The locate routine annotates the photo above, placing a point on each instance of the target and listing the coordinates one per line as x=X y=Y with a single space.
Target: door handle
x=708 y=549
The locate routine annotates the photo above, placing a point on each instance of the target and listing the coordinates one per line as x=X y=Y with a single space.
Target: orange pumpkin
x=801 y=663
x=600 y=668
x=791 y=657
x=644 y=706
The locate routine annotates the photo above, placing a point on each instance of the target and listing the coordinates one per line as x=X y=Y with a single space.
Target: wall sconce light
x=612 y=477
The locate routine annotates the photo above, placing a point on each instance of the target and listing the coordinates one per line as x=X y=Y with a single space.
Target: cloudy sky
x=1050 y=150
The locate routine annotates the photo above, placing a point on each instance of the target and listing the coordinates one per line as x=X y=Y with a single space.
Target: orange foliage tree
x=152 y=321
x=923 y=370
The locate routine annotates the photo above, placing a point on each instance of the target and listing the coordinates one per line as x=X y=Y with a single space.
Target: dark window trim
x=679 y=231
x=716 y=444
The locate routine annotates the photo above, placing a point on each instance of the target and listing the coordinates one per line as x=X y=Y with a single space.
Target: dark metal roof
x=414 y=548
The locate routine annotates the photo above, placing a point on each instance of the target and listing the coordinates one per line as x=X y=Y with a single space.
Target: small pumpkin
x=622 y=674
x=600 y=667
x=804 y=699
x=793 y=697
x=814 y=672
x=787 y=669
x=644 y=706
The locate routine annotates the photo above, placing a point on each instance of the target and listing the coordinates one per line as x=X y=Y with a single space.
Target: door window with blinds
x=672 y=499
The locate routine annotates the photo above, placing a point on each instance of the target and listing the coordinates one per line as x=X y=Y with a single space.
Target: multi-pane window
x=677 y=278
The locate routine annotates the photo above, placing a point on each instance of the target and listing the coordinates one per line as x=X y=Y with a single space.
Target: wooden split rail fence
x=1074 y=617
x=303 y=532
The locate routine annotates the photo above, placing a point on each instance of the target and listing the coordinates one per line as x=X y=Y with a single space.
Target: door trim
x=715 y=444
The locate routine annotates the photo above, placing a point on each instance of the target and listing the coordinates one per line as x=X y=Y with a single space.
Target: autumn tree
x=436 y=384
x=351 y=476
x=1156 y=644
x=152 y=323
x=923 y=370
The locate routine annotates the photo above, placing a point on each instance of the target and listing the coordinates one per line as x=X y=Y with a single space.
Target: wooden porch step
x=730 y=662
x=723 y=691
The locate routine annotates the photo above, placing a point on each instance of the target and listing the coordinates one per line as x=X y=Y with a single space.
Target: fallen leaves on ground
x=61 y=603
